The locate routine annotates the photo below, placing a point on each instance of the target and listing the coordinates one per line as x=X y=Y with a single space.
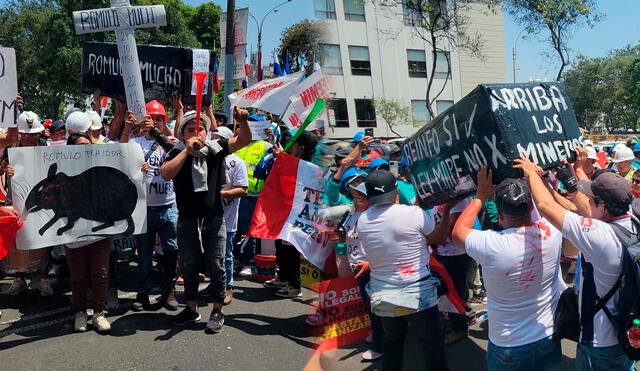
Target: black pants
x=430 y=336
x=288 y=260
x=457 y=267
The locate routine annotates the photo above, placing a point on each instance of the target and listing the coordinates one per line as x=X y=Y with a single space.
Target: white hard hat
x=587 y=143
x=591 y=153
x=96 y=122
x=618 y=146
x=29 y=123
x=78 y=122
x=623 y=154
x=223 y=131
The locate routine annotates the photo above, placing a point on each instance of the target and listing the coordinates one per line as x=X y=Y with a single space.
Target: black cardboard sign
x=491 y=126
x=164 y=69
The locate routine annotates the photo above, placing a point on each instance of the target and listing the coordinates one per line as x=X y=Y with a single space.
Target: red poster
x=345 y=316
x=602 y=160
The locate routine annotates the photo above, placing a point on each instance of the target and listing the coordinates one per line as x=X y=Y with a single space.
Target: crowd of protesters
x=505 y=246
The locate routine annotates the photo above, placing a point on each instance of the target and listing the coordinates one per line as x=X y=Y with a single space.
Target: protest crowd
x=546 y=251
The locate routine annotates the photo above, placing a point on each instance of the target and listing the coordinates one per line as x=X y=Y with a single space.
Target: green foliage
x=48 y=51
x=392 y=112
x=205 y=25
x=301 y=42
x=560 y=17
x=606 y=90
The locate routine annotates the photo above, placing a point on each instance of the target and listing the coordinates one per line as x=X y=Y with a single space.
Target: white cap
x=587 y=143
x=29 y=123
x=223 y=131
x=623 y=154
x=96 y=123
x=591 y=153
x=191 y=115
x=78 y=122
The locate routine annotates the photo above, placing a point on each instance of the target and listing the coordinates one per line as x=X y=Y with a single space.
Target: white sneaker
x=246 y=272
x=370 y=355
x=100 y=323
x=81 y=322
x=112 y=299
x=17 y=286
x=45 y=287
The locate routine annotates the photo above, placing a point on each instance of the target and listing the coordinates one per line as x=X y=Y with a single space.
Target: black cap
x=381 y=186
x=308 y=140
x=513 y=197
x=608 y=186
x=56 y=125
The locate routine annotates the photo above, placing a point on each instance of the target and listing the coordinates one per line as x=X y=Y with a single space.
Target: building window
x=420 y=113
x=442 y=65
x=324 y=9
x=354 y=10
x=365 y=113
x=417 y=61
x=340 y=113
x=359 y=56
x=442 y=105
x=331 y=59
x=410 y=15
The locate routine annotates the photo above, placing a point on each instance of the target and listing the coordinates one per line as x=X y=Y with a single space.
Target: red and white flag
x=271 y=95
x=301 y=103
x=290 y=208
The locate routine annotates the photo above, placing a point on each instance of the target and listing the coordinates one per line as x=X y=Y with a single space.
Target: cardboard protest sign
x=309 y=275
x=345 y=316
x=492 y=125
x=241 y=21
x=164 y=70
x=301 y=103
x=8 y=87
x=258 y=128
x=76 y=193
x=271 y=95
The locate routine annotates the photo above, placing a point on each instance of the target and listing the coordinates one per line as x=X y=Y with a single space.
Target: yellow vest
x=251 y=155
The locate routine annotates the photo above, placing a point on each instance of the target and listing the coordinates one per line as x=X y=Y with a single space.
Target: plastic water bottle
x=634 y=334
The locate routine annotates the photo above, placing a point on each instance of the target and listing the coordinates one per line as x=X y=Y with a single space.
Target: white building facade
x=373 y=52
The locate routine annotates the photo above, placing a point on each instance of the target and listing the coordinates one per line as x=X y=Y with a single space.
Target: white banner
x=77 y=193
x=241 y=22
x=271 y=95
x=301 y=103
x=8 y=87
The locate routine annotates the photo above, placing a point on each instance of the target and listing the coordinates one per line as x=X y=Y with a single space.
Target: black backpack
x=628 y=285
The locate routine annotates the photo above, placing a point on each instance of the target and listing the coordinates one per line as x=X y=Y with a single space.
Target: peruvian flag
x=247 y=64
x=289 y=209
x=216 y=80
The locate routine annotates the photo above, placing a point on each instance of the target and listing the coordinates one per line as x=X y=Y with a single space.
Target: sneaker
x=100 y=323
x=112 y=299
x=289 y=292
x=479 y=297
x=370 y=355
x=169 y=300
x=228 y=298
x=17 y=286
x=246 y=272
x=275 y=283
x=45 y=287
x=216 y=320
x=315 y=320
x=80 y=325
x=186 y=316
x=141 y=303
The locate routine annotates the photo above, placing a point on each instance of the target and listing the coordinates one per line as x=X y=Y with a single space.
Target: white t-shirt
x=159 y=191
x=597 y=241
x=355 y=252
x=394 y=239
x=521 y=270
x=236 y=177
x=449 y=248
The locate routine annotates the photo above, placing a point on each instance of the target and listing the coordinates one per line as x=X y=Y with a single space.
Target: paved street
x=262 y=332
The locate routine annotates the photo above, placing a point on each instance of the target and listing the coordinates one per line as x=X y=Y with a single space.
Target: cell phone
x=368 y=132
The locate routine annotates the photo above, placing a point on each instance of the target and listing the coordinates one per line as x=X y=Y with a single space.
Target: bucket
x=265 y=268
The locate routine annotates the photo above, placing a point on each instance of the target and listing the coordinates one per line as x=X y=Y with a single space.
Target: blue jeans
x=245 y=213
x=542 y=355
x=213 y=234
x=161 y=220
x=228 y=259
x=607 y=358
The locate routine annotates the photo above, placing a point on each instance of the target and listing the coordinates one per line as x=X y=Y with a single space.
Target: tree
x=301 y=42
x=204 y=24
x=392 y=112
x=442 y=24
x=560 y=17
x=48 y=52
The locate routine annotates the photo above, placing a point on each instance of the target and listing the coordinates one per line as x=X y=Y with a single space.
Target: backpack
x=628 y=285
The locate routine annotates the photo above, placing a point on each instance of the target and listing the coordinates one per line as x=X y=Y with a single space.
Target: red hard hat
x=156 y=108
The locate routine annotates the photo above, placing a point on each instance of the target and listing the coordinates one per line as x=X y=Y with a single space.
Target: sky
x=619 y=28
x=290 y=13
